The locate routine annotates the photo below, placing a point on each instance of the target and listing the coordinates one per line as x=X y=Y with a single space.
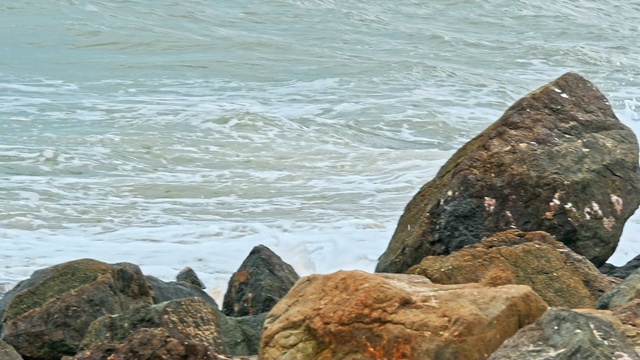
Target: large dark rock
x=558 y=160
x=621 y=271
x=260 y=282
x=560 y=276
x=47 y=315
x=242 y=334
x=564 y=334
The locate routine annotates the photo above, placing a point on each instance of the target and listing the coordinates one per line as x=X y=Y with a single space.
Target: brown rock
x=47 y=315
x=355 y=315
x=260 y=282
x=558 y=161
x=7 y=352
x=557 y=274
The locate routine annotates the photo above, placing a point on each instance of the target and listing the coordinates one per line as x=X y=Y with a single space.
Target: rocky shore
x=500 y=256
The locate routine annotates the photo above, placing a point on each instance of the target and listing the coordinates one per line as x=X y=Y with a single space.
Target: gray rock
x=564 y=334
x=163 y=291
x=260 y=282
x=621 y=271
x=189 y=276
x=558 y=161
x=628 y=290
x=7 y=352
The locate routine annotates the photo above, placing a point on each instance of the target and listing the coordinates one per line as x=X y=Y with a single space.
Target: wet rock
x=564 y=334
x=47 y=315
x=355 y=315
x=189 y=276
x=7 y=352
x=558 y=161
x=557 y=274
x=163 y=291
x=628 y=290
x=185 y=320
x=623 y=271
x=260 y=282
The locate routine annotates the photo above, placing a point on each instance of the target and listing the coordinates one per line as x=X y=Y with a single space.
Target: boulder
x=185 y=320
x=564 y=334
x=628 y=290
x=189 y=276
x=558 y=161
x=47 y=315
x=630 y=328
x=355 y=315
x=242 y=334
x=7 y=352
x=150 y=344
x=163 y=291
x=557 y=274
x=260 y=282
x=621 y=271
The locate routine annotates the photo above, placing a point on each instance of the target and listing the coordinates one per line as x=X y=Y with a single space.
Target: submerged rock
x=355 y=315
x=47 y=315
x=558 y=161
x=560 y=276
x=564 y=334
x=260 y=282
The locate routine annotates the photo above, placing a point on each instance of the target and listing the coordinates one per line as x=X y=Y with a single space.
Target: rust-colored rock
x=558 y=161
x=47 y=315
x=355 y=315
x=557 y=274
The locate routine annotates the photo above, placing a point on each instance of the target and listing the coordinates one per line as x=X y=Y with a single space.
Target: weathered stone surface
x=47 y=315
x=190 y=277
x=557 y=274
x=189 y=319
x=628 y=290
x=631 y=330
x=564 y=334
x=242 y=334
x=623 y=271
x=558 y=161
x=7 y=352
x=150 y=344
x=260 y=282
x=355 y=315
x=163 y=291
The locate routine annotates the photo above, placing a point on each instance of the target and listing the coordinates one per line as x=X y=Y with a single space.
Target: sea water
x=183 y=133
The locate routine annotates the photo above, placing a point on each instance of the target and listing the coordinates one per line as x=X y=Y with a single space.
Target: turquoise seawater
x=183 y=133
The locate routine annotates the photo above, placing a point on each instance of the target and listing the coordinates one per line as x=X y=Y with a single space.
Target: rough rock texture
x=623 y=271
x=628 y=290
x=7 y=352
x=47 y=315
x=630 y=329
x=189 y=319
x=557 y=274
x=242 y=334
x=355 y=315
x=564 y=334
x=150 y=344
x=260 y=282
x=172 y=290
x=190 y=277
x=558 y=161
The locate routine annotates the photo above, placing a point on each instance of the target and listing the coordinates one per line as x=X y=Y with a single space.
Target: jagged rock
x=190 y=277
x=558 y=161
x=260 y=282
x=564 y=334
x=47 y=315
x=190 y=319
x=630 y=329
x=355 y=315
x=150 y=344
x=623 y=271
x=163 y=291
x=628 y=290
x=557 y=274
x=7 y=352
